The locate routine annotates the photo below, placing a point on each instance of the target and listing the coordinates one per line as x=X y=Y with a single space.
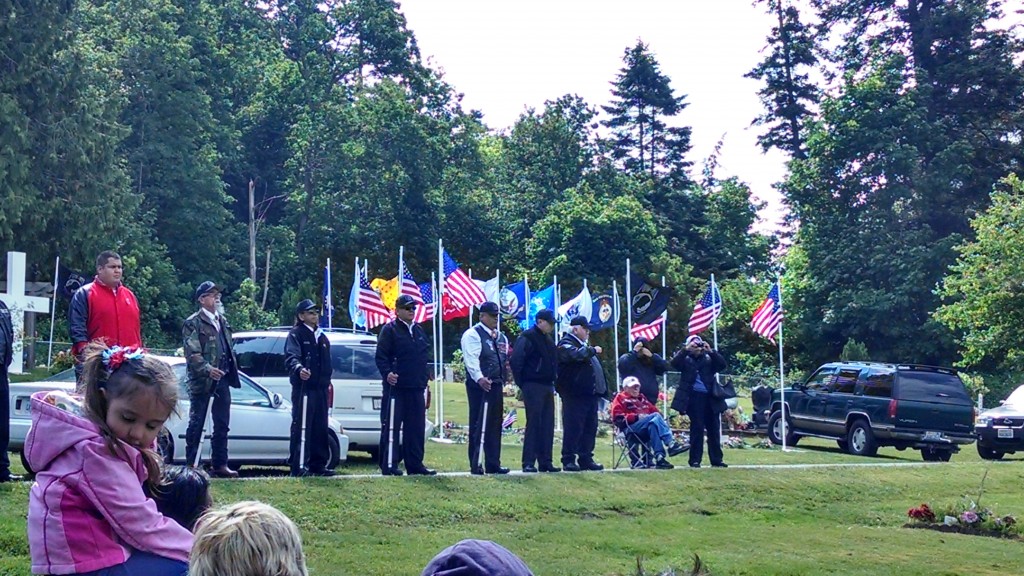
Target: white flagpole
x=470 y=274
x=401 y=277
x=497 y=276
x=615 y=332
x=330 y=297
x=664 y=353
x=714 y=319
x=558 y=334
x=526 y=305
x=433 y=334
x=782 y=378
x=53 y=314
x=440 y=337
x=629 y=304
x=355 y=279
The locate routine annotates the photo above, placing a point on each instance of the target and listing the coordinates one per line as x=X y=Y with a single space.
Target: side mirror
x=275 y=400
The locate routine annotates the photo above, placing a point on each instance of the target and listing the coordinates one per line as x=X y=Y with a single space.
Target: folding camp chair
x=631 y=446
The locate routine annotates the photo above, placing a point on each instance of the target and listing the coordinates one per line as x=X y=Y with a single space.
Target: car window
x=180 y=374
x=64 y=376
x=257 y=356
x=248 y=395
x=821 y=378
x=846 y=381
x=877 y=382
x=927 y=386
x=353 y=362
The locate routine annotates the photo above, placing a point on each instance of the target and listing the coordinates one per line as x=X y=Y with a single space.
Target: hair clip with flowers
x=114 y=357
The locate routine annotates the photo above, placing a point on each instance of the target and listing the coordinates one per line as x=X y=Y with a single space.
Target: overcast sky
x=506 y=56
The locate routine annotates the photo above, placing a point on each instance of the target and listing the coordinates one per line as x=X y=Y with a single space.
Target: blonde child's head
x=247 y=539
x=129 y=395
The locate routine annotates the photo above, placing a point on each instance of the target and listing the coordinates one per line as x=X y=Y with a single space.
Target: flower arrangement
x=734 y=442
x=965 y=517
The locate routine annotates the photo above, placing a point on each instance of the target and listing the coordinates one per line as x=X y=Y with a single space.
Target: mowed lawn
x=842 y=515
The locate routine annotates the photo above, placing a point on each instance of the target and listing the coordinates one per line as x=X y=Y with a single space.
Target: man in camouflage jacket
x=212 y=372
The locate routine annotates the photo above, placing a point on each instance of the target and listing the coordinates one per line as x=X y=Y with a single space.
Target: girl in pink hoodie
x=87 y=512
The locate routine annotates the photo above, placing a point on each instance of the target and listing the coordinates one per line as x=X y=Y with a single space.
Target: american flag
x=768 y=317
x=370 y=303
x=648 y=331
x=458 y=285
x=509 y=420
x=409 y=287
x=425 y=312
x=707 y=309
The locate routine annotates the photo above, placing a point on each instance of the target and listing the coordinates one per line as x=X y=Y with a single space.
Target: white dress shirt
x=471 y=346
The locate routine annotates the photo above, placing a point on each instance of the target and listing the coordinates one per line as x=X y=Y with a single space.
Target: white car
x=259 y=431
x=355 y=393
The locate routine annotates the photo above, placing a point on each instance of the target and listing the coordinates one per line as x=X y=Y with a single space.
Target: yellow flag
x=388 y=290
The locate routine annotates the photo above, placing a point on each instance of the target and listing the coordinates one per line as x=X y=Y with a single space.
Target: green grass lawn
x=844 y=519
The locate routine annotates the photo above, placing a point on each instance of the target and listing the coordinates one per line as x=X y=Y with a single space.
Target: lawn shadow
x=836 y=450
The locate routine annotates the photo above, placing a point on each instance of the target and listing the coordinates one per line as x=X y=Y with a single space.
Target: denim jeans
x=143 y=564
x=655 y=430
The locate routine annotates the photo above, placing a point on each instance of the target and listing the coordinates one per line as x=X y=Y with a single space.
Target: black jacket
x=405 y=354
x=647 y=372
x=707 y=365
x=578 y=368
x=302 y=350
x=6 y=339
x=534 y=358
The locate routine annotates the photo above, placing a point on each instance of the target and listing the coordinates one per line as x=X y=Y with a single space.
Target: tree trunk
x=252 y=230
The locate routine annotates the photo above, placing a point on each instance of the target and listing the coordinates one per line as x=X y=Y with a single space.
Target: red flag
x=450 y=310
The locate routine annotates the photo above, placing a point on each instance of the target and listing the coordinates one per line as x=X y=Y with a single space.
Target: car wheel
x=165 y=446
x=24 y=463
x=861 y=439
x=844 y=445
x=775 y=428
x=335 y=447
x=987 y=453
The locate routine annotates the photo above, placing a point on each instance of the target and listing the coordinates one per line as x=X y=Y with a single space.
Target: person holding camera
x=581 y=384
x=212 y=371
x=697 y=364
x=307 y=354
x=646 y=366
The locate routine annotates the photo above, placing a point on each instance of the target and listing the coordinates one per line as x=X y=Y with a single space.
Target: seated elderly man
x=632 y=412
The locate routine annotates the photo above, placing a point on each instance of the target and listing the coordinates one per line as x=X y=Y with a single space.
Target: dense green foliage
x=145 y=126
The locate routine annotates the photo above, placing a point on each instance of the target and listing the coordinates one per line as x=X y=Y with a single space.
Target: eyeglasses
x=317 y=312
x=409 y=308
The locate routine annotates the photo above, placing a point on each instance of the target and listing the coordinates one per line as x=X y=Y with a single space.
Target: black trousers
x=410 y=425
x=317 y=450
x=703 y=418
x=5 y=422
x=491 y=420
x=539 y=399
x=579 y=429
x=221 y=414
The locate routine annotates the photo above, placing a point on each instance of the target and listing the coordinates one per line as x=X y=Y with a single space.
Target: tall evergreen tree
x=788 y=94
x=642 y=102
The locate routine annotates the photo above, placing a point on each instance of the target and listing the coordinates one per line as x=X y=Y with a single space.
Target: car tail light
x=892 y=409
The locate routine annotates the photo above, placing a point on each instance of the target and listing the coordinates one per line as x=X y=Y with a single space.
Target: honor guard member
x=485 y=351
x=533 y=364
x=581 y=384
x=212 y=370
x=307 y=354
x=403 y=356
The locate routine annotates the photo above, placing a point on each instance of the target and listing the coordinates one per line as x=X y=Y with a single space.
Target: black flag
x=68 y=281
x=647 y=302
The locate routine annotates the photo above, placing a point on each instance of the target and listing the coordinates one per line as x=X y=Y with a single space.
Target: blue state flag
x=544 y=299
x=605 y=313
x=512 y=300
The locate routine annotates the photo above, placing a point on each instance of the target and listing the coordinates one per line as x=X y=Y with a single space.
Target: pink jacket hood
x=87 y=509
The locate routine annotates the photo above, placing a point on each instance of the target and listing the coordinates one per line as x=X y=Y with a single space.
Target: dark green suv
x=864 y=405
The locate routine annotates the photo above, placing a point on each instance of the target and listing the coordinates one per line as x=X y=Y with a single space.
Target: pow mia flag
x=647 y=302
x=68 y=282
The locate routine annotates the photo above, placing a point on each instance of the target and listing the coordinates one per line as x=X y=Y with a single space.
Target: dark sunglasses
x=409 y=308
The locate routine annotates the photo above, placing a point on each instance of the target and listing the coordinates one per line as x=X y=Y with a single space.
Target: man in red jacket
x=632 y=411
x=104 y=308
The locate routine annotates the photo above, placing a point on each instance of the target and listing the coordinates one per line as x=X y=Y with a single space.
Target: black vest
x=493 y=353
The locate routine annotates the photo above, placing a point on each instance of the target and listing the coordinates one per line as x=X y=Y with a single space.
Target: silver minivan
x=355 y=394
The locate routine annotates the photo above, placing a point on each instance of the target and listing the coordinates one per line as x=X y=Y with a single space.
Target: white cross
x=19 y=303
